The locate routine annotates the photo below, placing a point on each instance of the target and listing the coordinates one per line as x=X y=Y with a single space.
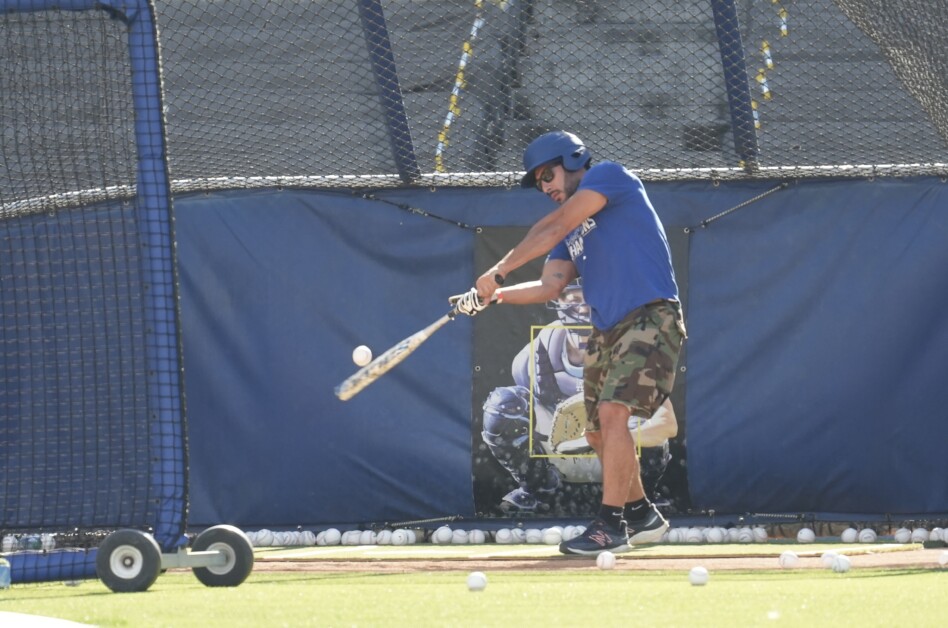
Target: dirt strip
x=910 y=559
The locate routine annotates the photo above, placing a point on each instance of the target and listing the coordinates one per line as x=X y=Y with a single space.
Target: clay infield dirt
x=421 y=558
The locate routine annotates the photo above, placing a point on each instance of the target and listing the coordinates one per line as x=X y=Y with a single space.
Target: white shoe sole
x=648 y=536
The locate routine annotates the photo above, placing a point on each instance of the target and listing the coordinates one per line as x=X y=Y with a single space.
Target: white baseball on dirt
x=606 y=560
x=361 y=355
x=943 y=559
x=828 y=557
x=789 y=559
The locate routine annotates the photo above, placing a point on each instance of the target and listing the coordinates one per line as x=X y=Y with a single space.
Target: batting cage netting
x=453 y=90
x=103 y=119
x=91 y=406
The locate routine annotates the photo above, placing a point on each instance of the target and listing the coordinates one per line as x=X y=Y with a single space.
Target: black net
x=352 y=92
x=74 y=428
x=91 y=410
x=67 y=141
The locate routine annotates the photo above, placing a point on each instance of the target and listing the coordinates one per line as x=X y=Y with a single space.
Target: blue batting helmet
x=559 y=146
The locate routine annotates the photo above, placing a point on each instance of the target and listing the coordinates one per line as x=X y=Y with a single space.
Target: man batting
x=606 y=231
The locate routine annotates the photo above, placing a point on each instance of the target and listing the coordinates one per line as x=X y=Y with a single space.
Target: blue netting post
x=734 y=64
x=165 y=378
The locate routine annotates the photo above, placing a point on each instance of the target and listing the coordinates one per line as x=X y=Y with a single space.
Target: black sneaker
x=649 y=530
x=598 y=537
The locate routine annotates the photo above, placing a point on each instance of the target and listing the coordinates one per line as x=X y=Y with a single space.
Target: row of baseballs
x=12 y=543
x=331 y=536
x=868 y=535
x=554 y=535
x=919 y=535
x=716 y=534
x=831 y=559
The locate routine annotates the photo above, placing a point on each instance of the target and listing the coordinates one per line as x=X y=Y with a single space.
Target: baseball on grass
x=606 y=560
x=841 y=563
x=698 y=576
x=361 y=355
x=476 y=581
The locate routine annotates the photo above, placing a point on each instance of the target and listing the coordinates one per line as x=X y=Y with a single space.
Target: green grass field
x=867 y=597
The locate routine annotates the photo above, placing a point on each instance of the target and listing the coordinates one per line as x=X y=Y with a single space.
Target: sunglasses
x=546 y=175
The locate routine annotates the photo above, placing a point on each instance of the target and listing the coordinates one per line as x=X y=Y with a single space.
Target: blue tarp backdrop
x=817 y=355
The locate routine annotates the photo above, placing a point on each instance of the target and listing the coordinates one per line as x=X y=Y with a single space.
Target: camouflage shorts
x=634 y=363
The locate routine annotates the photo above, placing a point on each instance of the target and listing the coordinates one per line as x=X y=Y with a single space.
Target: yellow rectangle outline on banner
x=534 y=330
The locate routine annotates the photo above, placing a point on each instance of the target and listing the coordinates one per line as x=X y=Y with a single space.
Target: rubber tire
x=234 y=544
x=128 y=561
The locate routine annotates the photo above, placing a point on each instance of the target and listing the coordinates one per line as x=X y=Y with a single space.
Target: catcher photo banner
x=529 y=455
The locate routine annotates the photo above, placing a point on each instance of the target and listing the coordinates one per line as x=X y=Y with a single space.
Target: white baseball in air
x=789 y=559
x=698 y=576
x=849 y=535
x=476 y=581
x=806 y=535
x=361 y=355
x=606 y=560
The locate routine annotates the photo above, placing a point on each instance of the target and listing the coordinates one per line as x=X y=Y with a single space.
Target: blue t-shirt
x=621 y=251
